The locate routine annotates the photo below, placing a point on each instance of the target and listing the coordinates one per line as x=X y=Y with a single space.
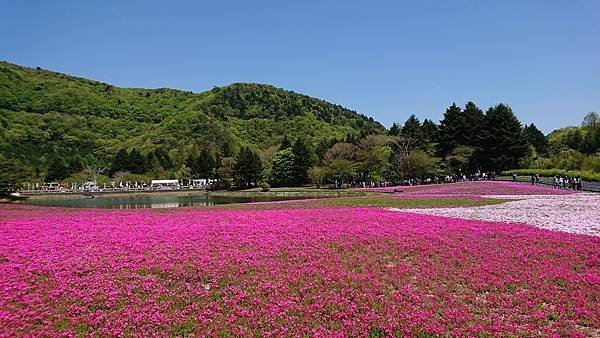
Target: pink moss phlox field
x=574 y=213
x=478 y=188
x=322 y=272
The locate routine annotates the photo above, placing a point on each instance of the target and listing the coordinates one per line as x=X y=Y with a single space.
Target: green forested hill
x=44 y=113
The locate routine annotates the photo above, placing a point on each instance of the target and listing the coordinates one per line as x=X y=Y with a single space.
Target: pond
x=152 y=201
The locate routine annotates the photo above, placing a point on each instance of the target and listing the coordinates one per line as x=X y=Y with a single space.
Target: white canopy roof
x=164 y=182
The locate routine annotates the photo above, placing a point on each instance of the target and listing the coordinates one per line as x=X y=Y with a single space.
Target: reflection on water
x=152 y=201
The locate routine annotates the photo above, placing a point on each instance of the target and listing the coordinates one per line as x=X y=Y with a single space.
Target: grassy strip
x=585 y=175
x=379 y=201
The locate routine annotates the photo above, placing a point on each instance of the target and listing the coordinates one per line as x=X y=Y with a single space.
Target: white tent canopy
x=164 y=182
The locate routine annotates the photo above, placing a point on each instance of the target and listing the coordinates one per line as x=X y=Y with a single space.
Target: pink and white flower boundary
x=574 y=213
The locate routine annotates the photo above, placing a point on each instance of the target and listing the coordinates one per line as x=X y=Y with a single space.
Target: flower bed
x=324 y=272
x=576 y=213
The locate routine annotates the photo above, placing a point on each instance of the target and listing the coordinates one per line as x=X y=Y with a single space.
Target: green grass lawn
x=373 y=200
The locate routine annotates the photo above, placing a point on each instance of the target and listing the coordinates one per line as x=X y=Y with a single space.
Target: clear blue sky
x=387 y=59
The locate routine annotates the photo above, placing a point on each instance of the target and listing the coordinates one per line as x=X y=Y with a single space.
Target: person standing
x=532 y=179
x=514 y=176
x=560 y=181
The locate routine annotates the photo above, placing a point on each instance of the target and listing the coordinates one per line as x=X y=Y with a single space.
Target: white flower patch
x=575 y=213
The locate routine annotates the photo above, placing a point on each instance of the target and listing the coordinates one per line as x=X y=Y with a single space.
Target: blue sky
x=387 y=59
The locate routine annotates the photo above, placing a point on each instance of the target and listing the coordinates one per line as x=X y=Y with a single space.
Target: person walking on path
x=532 y=179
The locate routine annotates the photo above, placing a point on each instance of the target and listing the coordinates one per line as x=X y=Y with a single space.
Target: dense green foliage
x=575 y=150
x=44 y=115
x=55 y=127
x=247 y=168
x=584 y=175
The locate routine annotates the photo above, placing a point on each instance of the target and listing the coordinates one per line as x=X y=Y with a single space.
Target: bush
x=264 y=186
x=585 y=175
x=220 y=185
x=591 y=163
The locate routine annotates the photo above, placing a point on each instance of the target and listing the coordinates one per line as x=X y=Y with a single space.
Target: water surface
x=152 y=201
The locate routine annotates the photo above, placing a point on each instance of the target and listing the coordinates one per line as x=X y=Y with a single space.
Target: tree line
x=466 y=140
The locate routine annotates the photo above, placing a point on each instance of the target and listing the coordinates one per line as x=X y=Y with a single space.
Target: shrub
x=264 y=186
x=585 y=175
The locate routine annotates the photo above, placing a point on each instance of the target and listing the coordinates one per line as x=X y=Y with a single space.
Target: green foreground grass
x=379 y=201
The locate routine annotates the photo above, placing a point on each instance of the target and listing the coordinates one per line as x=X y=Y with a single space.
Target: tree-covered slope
x=43 y=113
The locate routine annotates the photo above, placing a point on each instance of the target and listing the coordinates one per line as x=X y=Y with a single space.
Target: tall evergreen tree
x=472 y=120
x=120 y=162
x=429 y=130
x=247 y=168
x=206 y=165
x=304 y=158
x=473 y=124
x=395 y=129
x=203 y=165
x=412 y=128
x=461 y=128
x=153 y=165
x=163 y=157
x=503 y=143
x=450 y=130
x=536 y=138
x=57 y=169
x=137 y=162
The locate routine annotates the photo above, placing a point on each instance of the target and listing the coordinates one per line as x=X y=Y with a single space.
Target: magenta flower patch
x=322 y=272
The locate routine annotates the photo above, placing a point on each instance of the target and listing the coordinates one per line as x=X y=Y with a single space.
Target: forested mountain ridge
x=42 y=91
x=55 y=127
x=45 y=113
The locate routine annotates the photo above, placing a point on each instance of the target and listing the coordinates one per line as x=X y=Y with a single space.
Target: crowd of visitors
x=458 y=177
x=573 y=183
x=558 y=182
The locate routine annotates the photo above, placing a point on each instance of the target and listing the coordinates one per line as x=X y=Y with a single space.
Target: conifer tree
x=304 y=158
x=163 y=157
x=472 y=122
x=450 y=130
x=429 y=130
x=120 y=162
x=536 y=138
x=412 y=128
x=137 y=162
x=503 y=142
x=206 y=165
x=57 y=169
x=395 y=129
x=247 y=168
x=153 y=165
